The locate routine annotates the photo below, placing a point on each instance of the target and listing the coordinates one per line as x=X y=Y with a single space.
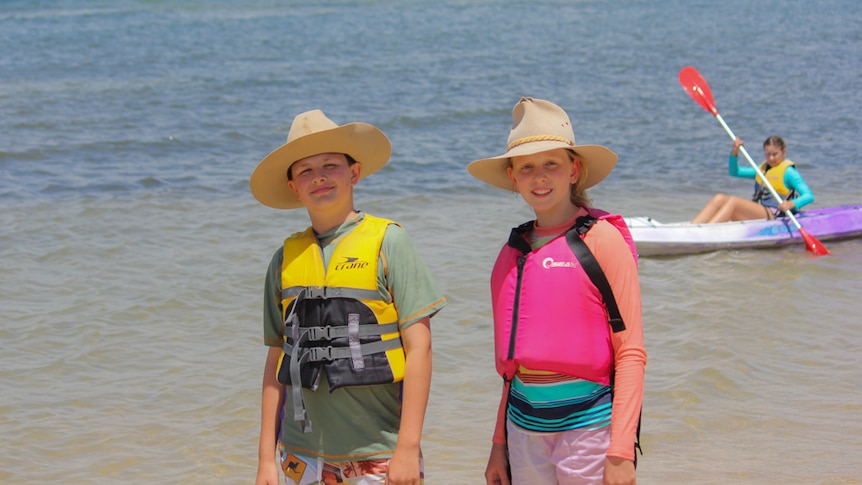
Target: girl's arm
x=735 y=170
x=794 y=180
x=615 y=258
x=497 y=470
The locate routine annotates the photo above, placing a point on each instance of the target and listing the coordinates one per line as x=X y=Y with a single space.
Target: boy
x=347 y=310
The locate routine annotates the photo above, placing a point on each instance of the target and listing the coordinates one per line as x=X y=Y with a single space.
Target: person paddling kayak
x=779 y=171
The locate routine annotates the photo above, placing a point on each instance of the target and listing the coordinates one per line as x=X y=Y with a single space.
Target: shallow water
x=132 y=255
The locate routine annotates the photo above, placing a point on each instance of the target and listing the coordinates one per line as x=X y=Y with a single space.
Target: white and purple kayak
x=654 y=238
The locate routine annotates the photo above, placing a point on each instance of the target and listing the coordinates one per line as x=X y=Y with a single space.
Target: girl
x=783 y=177
x=573 y=369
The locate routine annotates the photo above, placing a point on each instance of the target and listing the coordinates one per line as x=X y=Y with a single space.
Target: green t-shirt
x=361 y=422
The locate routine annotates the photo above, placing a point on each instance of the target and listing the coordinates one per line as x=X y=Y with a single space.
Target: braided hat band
x=529 y=139
x=539 y=126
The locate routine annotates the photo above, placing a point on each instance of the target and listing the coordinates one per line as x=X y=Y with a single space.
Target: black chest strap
x=594 y=270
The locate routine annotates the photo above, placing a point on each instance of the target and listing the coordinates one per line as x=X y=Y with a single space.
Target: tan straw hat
x=312 y=133
x=538 y=126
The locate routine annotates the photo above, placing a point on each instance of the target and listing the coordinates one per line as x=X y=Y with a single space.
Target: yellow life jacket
x=775 y=176
x=335 y=318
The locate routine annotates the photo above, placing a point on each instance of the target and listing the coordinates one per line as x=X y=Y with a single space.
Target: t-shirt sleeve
x=615 y=258
x=408 y=278
x=272 y=301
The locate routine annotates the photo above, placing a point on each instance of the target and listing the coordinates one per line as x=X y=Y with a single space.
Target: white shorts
x=574 y=457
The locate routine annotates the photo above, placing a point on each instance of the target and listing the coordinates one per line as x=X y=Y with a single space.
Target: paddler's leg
x=738 y=209
x=710 y=209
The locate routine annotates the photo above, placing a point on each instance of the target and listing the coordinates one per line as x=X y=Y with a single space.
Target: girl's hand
x=619 y=471
x=786 y=205
x=736 y=144
x=497 y=471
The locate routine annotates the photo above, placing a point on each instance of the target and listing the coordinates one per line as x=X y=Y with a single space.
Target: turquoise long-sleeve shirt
x=792 y=179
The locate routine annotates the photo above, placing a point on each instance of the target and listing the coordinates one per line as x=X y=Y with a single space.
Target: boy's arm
x=272 y=399
x=404 y=465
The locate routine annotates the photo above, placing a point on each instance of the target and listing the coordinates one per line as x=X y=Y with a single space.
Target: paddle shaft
x=768 y=185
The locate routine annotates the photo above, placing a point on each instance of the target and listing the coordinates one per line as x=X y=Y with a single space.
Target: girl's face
x=773 y=154
x=544 y=180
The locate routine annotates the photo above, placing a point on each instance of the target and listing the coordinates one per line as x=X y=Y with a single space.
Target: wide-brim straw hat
x=538 y=126
x=312 y=133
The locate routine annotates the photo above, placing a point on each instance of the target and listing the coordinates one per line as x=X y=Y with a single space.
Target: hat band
x=530 y=139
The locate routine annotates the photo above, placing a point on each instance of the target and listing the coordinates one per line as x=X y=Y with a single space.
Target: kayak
x=654 y=238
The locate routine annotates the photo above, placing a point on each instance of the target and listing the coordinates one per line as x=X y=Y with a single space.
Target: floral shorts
x=309 y=470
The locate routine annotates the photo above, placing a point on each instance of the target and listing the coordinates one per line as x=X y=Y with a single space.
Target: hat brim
x=598 y=160
x=363 y=142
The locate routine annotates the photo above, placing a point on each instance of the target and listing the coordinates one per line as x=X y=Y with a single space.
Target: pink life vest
x=548 y=315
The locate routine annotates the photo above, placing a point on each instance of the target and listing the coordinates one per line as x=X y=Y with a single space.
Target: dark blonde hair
x=774 y=141
x=577 y=193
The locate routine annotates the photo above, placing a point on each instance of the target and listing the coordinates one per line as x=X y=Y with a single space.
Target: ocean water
x=132 y=254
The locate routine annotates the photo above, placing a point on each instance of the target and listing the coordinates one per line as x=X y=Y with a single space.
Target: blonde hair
x=577 y=193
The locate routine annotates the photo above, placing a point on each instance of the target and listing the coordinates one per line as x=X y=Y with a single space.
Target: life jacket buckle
x=324 y=292
x=316 y=354
x=320 y=333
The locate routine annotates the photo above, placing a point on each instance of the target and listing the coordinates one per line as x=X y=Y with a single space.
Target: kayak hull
x=654 y=238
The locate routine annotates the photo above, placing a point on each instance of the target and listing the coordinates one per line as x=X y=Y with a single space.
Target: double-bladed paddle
x=696 y=87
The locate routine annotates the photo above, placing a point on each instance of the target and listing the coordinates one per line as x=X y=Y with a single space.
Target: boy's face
x=324 y=180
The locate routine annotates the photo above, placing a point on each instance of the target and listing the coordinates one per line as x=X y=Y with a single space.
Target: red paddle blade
x=696 y=87
x=812 y=244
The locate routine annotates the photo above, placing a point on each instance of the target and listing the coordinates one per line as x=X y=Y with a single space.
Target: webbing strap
x=321 y=354
x=326 y=292
x=328 y=332
x=594 y=270
x=300 y=413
